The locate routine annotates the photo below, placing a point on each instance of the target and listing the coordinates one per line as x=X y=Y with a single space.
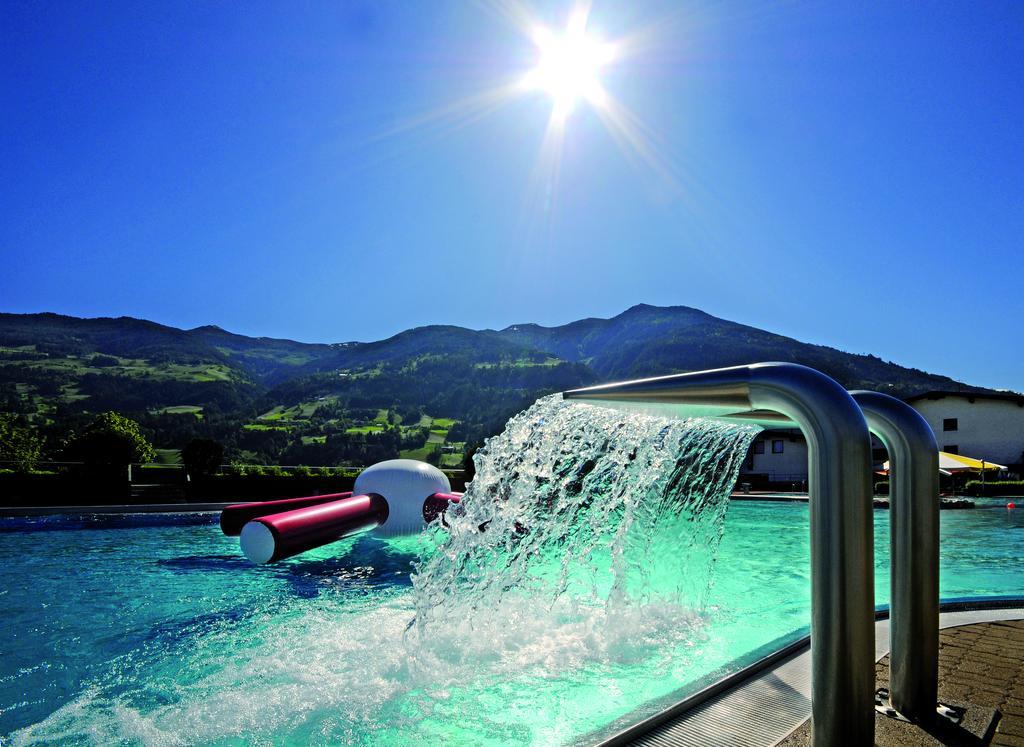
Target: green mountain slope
x=653 y=341
x=277 y=400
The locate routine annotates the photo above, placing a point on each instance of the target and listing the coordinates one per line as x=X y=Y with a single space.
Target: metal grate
x=761 y=711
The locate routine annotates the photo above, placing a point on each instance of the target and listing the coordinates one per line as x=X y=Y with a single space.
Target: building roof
x=1017 y=399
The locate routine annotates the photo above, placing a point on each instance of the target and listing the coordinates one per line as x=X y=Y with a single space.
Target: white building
x=986 y=426
x=777 y=456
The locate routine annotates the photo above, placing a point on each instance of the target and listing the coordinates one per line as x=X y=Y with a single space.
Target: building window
x=759 y=447
x=950 y=424
x=777 y=446
x=951 y=449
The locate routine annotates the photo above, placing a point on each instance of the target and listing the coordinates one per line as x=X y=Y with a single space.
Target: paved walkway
x=980 y=666
x=983 y=664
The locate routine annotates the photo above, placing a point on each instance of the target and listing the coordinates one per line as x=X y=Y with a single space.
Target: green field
x=168 y=456
x=420 y=453
x=299 y=412
x=365 y=429
x=181 y=410
x=275 y=413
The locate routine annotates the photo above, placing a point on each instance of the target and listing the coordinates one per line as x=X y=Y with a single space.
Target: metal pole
x=839 y=456
x=914 y=551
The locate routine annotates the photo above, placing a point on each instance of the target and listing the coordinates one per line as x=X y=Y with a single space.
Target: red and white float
x=392 y=498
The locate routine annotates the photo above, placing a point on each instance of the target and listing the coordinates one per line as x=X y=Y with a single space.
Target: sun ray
x=637 y=140
x=516 y=14
x=459 y=113
x=543 y=184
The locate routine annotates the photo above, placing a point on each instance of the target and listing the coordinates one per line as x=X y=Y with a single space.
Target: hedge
x=994 y=487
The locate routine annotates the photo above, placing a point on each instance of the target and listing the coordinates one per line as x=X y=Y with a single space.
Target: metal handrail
x=914 y=551
x=839 y=457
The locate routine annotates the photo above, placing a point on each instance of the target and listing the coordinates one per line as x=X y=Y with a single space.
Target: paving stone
x=1000 y=740
x=981 y=668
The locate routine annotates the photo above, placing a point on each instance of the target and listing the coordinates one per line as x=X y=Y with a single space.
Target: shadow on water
x=367 y=562
x=370 y=563
x=207 y=563
x=179 y=630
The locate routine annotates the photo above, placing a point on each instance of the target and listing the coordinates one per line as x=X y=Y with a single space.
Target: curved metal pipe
x=839 y=456
x=914 y=551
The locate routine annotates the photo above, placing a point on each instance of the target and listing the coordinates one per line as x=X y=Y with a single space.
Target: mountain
x=426 y=392
x=652 y=341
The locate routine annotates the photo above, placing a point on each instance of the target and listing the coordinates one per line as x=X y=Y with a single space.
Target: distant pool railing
x=836 y=424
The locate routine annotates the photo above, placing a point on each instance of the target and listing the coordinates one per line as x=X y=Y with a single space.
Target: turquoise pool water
x=153 y=630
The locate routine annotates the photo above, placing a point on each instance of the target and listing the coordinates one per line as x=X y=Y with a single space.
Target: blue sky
x=846 y=173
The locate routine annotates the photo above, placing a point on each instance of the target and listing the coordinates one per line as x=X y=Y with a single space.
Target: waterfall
x=578 y=511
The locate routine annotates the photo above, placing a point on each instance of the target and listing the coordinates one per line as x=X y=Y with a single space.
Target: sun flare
x=569 y=65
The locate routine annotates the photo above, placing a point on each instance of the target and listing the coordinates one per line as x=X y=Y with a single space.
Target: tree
x=111 y=439
x=434 y=456
x=202 y=456
x=20 y=447
x=468 y=465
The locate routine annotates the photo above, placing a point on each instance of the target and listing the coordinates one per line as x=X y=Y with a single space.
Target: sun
x=569 y=65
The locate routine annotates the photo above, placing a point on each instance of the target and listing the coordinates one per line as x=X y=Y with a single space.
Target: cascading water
x=581 y=515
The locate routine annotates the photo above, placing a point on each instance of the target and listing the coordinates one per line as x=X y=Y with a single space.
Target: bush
x=202 y=456
x=111 y=439
x=20 y=447
x=237 y=469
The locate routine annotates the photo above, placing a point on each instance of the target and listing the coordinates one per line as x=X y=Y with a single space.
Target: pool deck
x=981 y=668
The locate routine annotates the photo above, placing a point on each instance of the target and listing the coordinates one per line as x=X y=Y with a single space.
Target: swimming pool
x=153 y=629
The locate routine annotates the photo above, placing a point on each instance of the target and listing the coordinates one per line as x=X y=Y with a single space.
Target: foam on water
x=583 y=594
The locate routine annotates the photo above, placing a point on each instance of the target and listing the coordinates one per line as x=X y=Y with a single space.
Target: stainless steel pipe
x=914 y=551
x=839 y=455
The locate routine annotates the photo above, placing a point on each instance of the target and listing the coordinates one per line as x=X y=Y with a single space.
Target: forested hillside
x=428 y=392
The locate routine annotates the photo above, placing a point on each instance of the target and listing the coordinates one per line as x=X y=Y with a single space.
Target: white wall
x=986 y=429
x=791 y=464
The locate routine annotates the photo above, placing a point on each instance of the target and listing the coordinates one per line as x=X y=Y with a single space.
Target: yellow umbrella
x=949 y=463
x=954 y=462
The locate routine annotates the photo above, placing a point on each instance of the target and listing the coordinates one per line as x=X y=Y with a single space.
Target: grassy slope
x=52 y=365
